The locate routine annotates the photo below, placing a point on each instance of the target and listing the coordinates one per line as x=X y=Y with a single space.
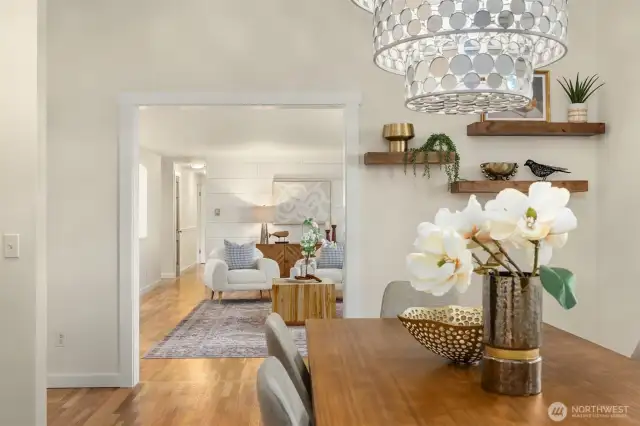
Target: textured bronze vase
x=512 y=311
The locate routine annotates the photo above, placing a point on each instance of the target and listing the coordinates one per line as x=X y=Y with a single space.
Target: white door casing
x=128 y=251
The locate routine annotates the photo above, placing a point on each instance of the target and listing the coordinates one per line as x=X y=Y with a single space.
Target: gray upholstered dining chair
x=636 y=352
x=280 y=344
x=280 y=404
x=399 y=296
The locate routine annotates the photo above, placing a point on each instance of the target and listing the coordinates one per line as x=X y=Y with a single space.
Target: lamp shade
x=263 y=214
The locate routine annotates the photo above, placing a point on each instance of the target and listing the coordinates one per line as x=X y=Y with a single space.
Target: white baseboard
x=108 y=380
x=188 y=267
x=167 y=275
x=150 y=287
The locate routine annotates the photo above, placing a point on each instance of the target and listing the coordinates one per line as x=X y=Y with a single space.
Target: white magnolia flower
x=546 y=246
x=469 y=223
x=540 y=215
x=443 y=262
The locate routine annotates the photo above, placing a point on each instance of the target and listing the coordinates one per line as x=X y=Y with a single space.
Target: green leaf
x=560 y=283
x=565 y=88
x=592 y=92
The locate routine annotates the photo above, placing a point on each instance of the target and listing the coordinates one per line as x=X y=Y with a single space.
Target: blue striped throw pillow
x=331 y=257
x=239 y=256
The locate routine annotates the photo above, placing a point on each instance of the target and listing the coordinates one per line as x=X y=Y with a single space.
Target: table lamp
x=264 y=215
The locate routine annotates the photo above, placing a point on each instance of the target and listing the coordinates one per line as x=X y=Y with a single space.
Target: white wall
x=188 y=217
x=22 y=190
x=150 y=247
x=236 y=186
x=618 y=180
x=90 y=64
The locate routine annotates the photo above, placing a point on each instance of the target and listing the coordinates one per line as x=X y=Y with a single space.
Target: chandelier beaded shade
x=367 y=5
x=468 y=56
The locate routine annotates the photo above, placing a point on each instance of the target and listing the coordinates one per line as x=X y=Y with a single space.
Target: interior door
x=178 y=231
x=200 y=227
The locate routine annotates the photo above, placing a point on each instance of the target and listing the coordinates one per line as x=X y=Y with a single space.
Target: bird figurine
x=543 y=171
x=282 y=236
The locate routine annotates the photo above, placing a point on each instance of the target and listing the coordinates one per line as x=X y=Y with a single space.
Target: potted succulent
x=579 y=93
x=445 y=147
x=486 y=242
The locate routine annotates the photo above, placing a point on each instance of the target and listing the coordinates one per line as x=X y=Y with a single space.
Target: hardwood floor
x=172 y=392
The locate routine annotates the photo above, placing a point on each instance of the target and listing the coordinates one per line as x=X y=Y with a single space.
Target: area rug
x=233 y=329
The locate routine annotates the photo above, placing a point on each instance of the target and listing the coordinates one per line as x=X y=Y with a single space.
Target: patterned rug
x=233 y=329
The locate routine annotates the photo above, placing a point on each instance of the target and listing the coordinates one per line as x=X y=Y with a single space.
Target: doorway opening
x=129 y=252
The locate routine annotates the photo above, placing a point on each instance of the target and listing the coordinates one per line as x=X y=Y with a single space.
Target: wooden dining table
x=372 y=372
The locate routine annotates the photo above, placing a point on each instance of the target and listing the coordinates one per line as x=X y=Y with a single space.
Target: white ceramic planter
x=578 y=113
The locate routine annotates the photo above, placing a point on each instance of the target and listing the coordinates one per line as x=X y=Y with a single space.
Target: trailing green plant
x=580 y=91
x=442 y=144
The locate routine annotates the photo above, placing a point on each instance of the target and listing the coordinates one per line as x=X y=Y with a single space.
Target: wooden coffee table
x=297 y=302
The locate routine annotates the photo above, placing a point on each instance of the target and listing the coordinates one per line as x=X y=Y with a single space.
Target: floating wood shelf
x=534 y=128
x=495 y=186
x=380 y=158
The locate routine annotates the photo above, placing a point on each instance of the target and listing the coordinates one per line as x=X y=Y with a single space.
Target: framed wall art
x=295 y=201
x=539 y=109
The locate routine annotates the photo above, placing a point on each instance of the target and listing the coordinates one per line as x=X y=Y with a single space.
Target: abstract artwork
x=297 y=200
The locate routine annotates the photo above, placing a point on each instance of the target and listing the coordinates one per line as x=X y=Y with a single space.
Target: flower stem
x=535 y=257
x=477 y=259
x=500 y=262
x=509 y=259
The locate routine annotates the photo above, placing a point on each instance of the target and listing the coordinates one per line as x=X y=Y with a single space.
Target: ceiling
x=179 y=131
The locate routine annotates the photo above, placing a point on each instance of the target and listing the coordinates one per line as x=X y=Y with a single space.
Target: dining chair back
x=280 y=344
x=400 y=295
x=280 y=404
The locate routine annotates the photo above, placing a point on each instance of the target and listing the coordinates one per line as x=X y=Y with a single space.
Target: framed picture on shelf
x=539 y=109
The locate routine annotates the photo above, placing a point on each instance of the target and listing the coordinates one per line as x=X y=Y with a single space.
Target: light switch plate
x=11 y=246
x=216 y=212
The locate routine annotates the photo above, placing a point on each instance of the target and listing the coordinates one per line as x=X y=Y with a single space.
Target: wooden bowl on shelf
x=499 y=171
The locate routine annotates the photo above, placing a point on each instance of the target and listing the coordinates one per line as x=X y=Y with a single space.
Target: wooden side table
x=296 y=302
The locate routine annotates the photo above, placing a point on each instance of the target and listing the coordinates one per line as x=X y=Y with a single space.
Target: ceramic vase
x=578 y=113
x=512 y=316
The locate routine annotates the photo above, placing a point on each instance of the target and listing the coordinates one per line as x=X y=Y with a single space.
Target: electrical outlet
x=216 y=212
x=11 y=246
x=60 y=340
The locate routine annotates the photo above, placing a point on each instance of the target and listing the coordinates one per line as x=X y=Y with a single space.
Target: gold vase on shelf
x=398 y=134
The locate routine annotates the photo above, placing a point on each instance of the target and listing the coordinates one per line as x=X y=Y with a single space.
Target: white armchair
x=219 y=278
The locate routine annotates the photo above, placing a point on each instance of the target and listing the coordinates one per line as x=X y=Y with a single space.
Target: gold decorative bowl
x=499 y=171
x=453 y=332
